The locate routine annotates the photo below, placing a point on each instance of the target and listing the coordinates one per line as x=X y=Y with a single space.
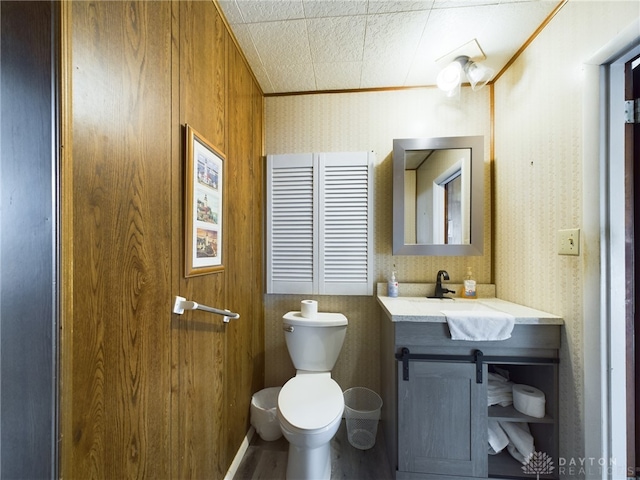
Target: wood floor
x=268 y=460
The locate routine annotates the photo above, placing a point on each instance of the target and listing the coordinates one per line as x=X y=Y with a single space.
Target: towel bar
x=181 y=304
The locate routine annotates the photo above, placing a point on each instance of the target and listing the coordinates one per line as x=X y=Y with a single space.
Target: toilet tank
x=314 y=344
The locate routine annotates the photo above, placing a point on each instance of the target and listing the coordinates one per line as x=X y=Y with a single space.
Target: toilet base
x=309 y=463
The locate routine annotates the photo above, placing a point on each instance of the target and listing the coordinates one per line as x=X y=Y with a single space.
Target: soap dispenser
x=469 y=290
x=392 y=285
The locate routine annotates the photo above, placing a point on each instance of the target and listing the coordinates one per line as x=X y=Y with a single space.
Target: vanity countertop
x=413 y=307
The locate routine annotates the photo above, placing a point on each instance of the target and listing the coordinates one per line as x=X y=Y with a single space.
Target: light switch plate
x=569 y=241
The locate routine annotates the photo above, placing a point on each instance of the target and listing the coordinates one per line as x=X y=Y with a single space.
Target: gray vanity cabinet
x=435 y=421
x=442 y=420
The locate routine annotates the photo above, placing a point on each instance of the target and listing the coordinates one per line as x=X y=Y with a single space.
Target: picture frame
x=204 y=205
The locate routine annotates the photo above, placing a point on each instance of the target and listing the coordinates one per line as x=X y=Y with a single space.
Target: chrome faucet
x=440 y=290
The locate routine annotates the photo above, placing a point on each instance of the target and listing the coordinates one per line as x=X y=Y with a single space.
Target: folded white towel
x=499 y=390
x=502 y=399
x=478 y=325
x=499 y=378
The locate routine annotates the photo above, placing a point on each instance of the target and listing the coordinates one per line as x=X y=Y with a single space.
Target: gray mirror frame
x=476 y=144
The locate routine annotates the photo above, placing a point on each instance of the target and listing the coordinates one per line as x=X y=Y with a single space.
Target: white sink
x=430 y=309
x=431 y=305
x=423 y=309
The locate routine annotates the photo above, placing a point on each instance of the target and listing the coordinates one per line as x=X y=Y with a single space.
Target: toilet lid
x=309 y=402
x=322 y=319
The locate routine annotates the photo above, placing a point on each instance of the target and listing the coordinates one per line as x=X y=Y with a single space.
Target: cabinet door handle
x=478 y=359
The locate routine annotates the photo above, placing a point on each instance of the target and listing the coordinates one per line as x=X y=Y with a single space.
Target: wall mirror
x=438 y=196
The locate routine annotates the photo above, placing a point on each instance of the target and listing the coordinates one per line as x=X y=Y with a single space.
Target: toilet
x=310 y=405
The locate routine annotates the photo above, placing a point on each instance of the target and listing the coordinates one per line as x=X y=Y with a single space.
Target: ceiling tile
x=422 y=73
x=334 y=8
x=448 y=29
x=383 y=74
x=270 y=10
x=390 y=6
x=281 y=42
x=292 y=78
x=394 y=35
x=465 y=3
x=338 y=76
x=337 y=39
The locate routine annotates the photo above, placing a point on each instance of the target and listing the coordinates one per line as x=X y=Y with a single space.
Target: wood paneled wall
x=146 y=393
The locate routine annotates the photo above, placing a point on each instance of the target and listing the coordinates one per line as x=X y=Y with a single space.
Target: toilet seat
x=311 y=401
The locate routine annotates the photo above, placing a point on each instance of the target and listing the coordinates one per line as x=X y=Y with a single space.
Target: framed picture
x=204 y=202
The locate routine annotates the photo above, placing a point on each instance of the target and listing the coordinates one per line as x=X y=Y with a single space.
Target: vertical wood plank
x=243 y=232
x=202 y=344
x=66 y=446
x=177 y=265
x=257 y=166
x=122 y=239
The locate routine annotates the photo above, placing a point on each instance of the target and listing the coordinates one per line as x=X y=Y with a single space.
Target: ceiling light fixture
x=460 y=64
x=450 y=77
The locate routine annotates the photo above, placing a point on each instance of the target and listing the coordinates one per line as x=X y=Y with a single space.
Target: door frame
x=632 y=158
x=605 y=304
x=632 y=146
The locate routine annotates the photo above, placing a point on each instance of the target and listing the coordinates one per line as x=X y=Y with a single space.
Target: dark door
x=27 y=243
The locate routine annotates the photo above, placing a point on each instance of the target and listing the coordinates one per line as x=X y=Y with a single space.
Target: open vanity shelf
x=544 y=430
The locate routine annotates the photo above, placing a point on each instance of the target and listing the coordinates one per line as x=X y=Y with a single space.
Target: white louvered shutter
x=320 y=223
x=345 y=221
x=290 y=224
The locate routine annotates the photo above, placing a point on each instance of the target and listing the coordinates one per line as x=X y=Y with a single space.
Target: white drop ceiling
x=320 y=45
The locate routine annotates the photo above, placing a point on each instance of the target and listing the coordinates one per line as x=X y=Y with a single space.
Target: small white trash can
x=264 y=413
x=362 y=412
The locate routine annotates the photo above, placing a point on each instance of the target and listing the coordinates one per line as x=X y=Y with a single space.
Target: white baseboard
x=233 y=468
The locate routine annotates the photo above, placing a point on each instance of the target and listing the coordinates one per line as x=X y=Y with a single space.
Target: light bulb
x=478 y=75
x=449 y=78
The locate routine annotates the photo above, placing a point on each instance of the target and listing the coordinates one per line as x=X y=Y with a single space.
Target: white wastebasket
x=264 y=413
x=362 y=412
